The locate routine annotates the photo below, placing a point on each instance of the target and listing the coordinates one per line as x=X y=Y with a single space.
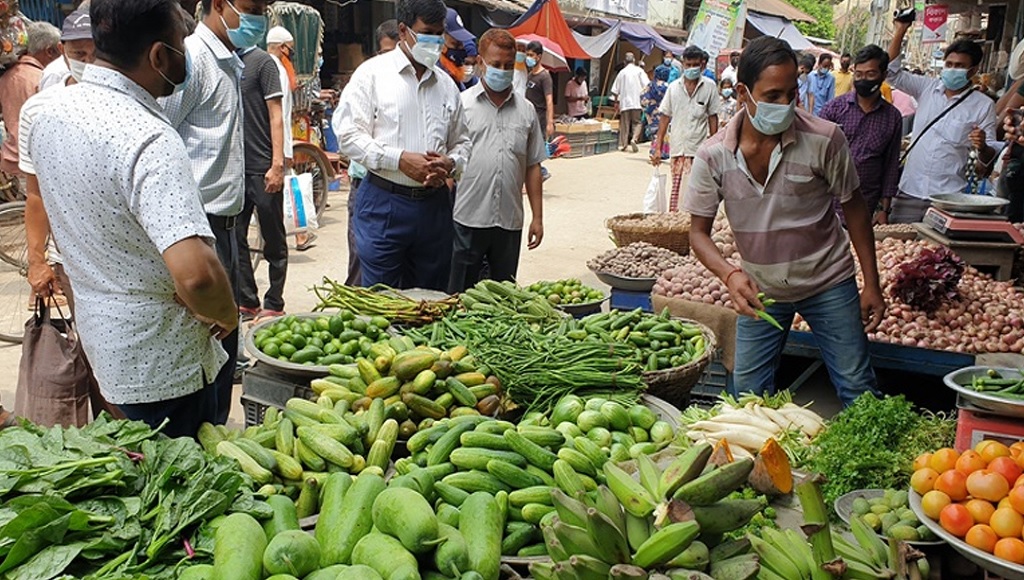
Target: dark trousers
x=472 y=246
x=184 y=414
x=227 y=250
x=403 y=242
x=354 y=275
x=269 y=209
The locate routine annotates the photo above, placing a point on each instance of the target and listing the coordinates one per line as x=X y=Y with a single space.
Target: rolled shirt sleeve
x=702 y=191
x=906 y=81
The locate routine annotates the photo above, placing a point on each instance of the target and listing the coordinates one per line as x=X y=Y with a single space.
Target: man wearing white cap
x=76 y=46
x=281 y=45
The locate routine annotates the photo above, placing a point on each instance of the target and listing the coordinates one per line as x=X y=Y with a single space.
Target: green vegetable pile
x=873 y=443
x=325 y=340
x=571 y=291
x=114 y=499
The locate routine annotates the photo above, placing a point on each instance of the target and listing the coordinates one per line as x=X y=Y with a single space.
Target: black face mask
x=866 y=88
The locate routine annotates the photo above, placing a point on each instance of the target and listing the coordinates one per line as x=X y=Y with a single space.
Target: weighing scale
x=971 y=226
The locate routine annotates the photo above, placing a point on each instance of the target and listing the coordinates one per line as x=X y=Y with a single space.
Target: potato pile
x=692 y=281
x=637 y=260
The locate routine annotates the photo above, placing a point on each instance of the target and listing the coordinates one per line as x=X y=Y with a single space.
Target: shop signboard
x=714 y=24
x=934 y=29
x=629 y=8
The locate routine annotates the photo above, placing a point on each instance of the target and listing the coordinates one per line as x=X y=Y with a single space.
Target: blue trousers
x=185 y=414
x=834 y=317
x=403 y=242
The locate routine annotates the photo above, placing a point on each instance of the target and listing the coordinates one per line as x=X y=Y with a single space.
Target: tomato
x=990 y=450
x=956 y=520
x=982 y=537
x=987 y=485
x=933 y=502
x=1016 y=498
x=980 y=509
x=1011 y=549
x=922 y=461
x=943 y=460
x=1004 y=503
x=1007 y=523
x=969 y=462
x=1016 y=449
x=952 y=483
x=923 y=480
x=1006 y=467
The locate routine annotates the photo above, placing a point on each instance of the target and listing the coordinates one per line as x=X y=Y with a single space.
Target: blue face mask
x=178 y=87
x=691 y=73
x=427 y=49
x=498 y=80
x=531 y=62
x=954 y=78
x=251 y=29
x=772 y=118
x=520 y=57
x=727 y=93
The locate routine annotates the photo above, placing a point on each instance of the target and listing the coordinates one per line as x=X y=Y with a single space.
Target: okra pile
x=662 y=341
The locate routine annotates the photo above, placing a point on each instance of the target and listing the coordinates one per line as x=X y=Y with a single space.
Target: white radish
x=811 y=415
x=778 y=418
x=747 y=418
x=748 y=440
x=807 y=424
x=720 y=426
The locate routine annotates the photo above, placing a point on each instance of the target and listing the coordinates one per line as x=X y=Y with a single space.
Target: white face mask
x=77 y=69
x=427 y=49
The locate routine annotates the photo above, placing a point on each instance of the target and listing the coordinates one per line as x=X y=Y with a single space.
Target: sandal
x=247 y=313
x=306 y=244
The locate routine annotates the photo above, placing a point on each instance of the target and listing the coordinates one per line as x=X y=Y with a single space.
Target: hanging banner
x=934 y=29
x=714 y=24
x=629 y=8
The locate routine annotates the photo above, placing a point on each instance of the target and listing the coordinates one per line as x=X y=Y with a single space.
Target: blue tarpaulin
x=643 y=37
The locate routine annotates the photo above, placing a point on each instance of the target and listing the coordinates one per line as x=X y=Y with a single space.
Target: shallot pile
x=692 y=281
x=637 y=260
x=988 y=317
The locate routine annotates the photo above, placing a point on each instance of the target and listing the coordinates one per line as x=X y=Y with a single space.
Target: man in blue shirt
x=822 y=85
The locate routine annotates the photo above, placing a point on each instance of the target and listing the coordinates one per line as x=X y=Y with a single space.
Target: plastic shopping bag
x=299 y=209
x=656 y=200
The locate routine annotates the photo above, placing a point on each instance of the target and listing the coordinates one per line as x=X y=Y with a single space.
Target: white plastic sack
x=656 y=198
x=299 y=209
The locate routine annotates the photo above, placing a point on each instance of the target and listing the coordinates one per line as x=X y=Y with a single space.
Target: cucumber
x=374 y=419
x=476 y=458
x=535 y=512
x=476 y=481
x=531 y=551
x=452 y=556
x=536 y=494
x=311 y=460
x=287 y=466
x=450 y=494
x=448 y=515
x=354 y=520
x=284 y=517
x=330 y=519
x=250 y=466
x=292 y=552
x=238 y=547
x=284 y=437
x=442 y=449
x=514 y=476
x=580 y=462
x=386 y=556
x=330 y=450
x=543 y=436
x=422 y=438
x=460 y=392
x=406 y=515
x=309 y=498
x=482 y=527
x=535 y=454
x=209 y=437
x=519 y=538
x=484 y=440
x=494 y=427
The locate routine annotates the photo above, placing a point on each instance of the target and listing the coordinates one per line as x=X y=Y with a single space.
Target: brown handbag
x=53 y=378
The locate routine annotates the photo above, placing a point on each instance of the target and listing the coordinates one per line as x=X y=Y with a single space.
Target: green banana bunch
x=868 y=558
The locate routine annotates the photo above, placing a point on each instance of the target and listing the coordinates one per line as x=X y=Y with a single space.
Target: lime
x=298 y=341
x=287 y=350
x=323 y=323
x=271 y=349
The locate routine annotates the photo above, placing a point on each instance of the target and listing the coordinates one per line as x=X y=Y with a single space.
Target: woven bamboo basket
x=636 y=227
x=674 y=384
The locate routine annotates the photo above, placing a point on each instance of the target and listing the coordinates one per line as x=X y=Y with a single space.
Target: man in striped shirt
x=778 y=169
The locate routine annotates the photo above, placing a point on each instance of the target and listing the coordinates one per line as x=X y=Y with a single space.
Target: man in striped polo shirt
x=778 y=169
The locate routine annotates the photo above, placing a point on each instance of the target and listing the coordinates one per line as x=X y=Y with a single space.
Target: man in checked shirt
x=874 y=129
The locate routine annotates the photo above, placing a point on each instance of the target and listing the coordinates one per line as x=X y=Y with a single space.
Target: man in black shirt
x=264 y=180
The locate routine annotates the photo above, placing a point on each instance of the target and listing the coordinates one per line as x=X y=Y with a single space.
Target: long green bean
x=381 y=300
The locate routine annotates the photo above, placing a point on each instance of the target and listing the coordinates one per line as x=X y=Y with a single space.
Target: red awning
x=550 y=23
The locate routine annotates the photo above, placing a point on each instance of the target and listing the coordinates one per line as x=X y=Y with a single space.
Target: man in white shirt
x=939 y=155
x=730 y=71
x=207 y=113
x=489 y=206
x=152 y=296
x=629 y=85
x=403 y=121
x=691 y=107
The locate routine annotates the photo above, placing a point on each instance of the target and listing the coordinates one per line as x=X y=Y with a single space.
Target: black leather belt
x=404 y=191
x=221 y=221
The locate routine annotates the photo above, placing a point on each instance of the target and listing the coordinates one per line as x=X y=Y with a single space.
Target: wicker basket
x=634 y=227
x=674 y=384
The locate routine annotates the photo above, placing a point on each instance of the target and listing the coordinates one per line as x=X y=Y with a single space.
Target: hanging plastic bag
x=655 y=200
x=299 y=209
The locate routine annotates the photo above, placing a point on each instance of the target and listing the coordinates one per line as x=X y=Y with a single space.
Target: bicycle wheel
x=15 y=292
x=13 y=243
x=255 y=242
x=308 y=158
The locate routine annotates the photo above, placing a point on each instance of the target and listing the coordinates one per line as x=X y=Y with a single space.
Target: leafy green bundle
x=113 y=499
x=873 y=443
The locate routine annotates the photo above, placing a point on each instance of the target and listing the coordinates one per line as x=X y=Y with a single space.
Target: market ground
x=580 y=195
